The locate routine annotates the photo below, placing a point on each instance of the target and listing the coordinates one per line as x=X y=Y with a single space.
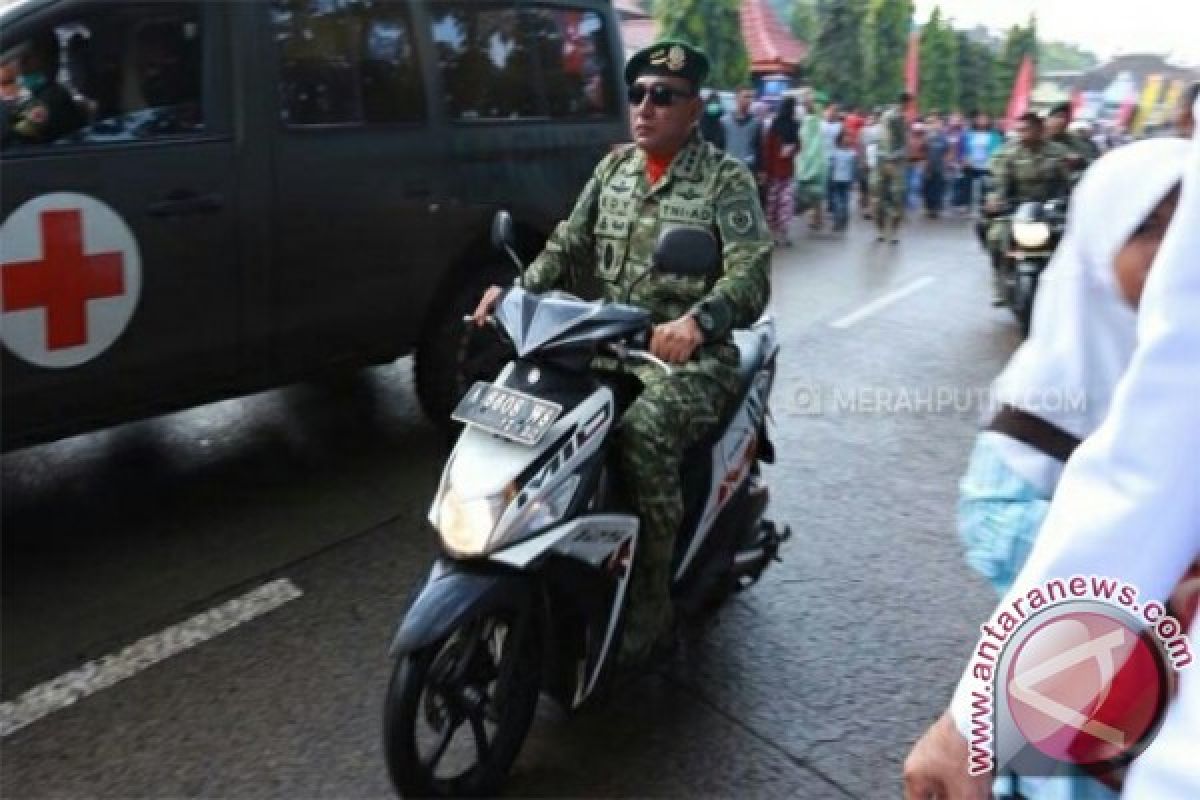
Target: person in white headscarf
x=1058 y=386
x=1127 y=506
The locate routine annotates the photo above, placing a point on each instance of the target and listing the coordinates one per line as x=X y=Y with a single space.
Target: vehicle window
x=498 y=62
x=487 y=64
x=347 y=62
x=573 y=52
x=121 y=73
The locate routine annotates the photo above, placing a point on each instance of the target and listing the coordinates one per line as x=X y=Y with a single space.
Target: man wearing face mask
x=669 y=177
x=50 y=112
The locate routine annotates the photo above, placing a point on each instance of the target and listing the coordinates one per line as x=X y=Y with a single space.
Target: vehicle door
x=356 y=212
x=118 y=248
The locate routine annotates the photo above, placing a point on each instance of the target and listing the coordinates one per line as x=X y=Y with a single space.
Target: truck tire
x=452 y=355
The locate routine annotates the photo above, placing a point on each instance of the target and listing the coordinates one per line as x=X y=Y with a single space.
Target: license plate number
x=512 y=415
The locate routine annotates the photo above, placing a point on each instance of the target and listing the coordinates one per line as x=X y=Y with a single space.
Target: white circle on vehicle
x=70 y=279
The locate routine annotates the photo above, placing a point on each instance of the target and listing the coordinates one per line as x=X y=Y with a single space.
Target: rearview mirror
x=503 y=237
x=688 y=252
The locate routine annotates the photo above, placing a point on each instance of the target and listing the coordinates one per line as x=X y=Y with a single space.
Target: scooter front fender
x=449 y=596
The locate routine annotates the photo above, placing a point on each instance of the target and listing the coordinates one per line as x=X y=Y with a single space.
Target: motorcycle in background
x=1035 y=230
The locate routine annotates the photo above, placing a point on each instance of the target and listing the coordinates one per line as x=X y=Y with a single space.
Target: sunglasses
x=661 y=95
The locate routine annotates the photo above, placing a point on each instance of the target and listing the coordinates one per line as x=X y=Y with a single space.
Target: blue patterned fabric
x=999 y=514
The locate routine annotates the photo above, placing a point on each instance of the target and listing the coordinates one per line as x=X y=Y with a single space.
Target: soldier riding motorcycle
x=1033 y=233
x=539 y=536
x=1028 y=180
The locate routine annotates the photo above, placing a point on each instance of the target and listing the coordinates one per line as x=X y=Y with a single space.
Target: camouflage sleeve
x=739 y=296
x=1000 y=168
x=570 y=247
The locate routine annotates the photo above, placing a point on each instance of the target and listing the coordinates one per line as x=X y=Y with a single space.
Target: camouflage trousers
x=672 y=413
x=888 y=191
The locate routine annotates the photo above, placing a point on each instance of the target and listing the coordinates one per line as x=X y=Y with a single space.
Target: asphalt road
x=812 y=685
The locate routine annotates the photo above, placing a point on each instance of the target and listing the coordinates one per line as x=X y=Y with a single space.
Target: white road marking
x=94 y=676
x=880 y=303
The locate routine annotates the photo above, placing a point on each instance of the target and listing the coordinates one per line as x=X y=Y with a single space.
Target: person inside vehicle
x=669 y=177
x=13 y=96
x=1030 y=168
x=51 y=112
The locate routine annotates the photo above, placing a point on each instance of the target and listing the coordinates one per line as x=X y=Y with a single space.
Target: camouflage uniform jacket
x=893 y=135
x=1078 y=146
x=612 y=231
x=1020 y=173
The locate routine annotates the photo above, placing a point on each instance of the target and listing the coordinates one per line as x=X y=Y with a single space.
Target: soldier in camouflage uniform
x=670 y=177
x=888 y=184
x=1031 y=168
x=1081 y=151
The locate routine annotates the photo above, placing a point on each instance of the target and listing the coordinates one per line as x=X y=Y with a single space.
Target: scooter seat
x=752 y=354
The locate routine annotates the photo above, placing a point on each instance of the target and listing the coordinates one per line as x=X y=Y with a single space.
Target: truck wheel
x=452 y=355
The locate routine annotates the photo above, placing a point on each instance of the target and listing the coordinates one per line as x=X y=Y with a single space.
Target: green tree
x=939 y=87
x=803 y=20
x=836 y=57
x=885 y=48
x=715 y=26
x=1056 y=56
x=976 y=75
x=1019 y=43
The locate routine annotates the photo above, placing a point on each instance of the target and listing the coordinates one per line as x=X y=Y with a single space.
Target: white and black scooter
x=539 y=540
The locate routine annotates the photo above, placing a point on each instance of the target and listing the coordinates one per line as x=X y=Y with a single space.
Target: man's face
x=1028 y=133
x=1056 y=124
x=744 y=98
x=981 y=121
x=831 y=113
x=662 y=129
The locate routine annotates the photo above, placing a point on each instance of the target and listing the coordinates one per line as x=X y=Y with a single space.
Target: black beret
x=668 y=57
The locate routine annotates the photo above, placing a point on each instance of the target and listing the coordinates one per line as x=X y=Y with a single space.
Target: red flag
x=1018 y=103
x=912 y=72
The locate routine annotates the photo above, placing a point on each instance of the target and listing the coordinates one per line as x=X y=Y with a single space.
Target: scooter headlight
x=467 y=524
x=1031 y=235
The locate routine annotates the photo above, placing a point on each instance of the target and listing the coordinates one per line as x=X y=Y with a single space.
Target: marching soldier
x=888 y=179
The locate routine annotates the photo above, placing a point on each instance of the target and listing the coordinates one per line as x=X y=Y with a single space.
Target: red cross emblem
x=63 y=280
x=70 y=277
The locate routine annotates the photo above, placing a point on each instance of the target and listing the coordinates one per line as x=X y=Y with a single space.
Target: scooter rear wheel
x=457 y=711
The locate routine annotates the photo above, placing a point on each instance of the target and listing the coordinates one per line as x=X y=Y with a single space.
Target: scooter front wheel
x=458 y=711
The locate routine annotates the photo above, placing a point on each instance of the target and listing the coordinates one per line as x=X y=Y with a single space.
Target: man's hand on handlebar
x=675 y=342
x=487 y=304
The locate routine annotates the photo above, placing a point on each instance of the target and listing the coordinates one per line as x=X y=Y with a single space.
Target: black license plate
x=513 y=415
